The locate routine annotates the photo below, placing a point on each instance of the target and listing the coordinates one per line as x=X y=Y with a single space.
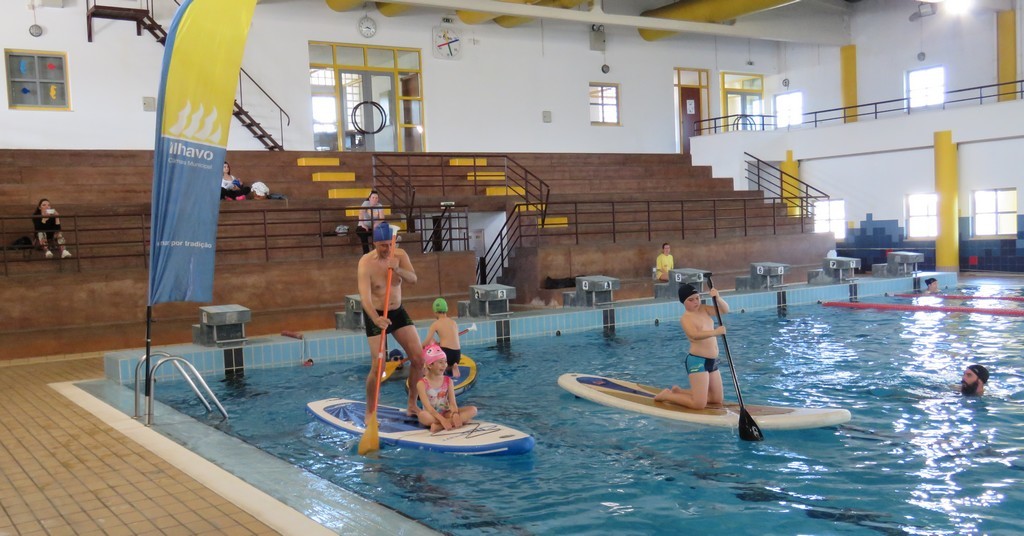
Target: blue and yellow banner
x=202 y=56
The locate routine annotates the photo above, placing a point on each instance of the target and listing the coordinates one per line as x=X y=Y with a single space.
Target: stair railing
x=781 y=185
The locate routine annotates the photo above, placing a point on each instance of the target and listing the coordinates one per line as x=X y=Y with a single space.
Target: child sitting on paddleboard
x=448 y=337
x=437 y=395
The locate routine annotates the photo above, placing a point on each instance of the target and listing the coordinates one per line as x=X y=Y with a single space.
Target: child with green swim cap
x=448 y=337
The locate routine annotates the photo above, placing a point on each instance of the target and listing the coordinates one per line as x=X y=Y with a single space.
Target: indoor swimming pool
x=917 y=458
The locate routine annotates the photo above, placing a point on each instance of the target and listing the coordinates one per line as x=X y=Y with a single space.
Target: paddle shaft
x=383 y=335
x=749 y=431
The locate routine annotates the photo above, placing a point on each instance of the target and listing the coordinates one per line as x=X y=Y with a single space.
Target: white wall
x=492 y=99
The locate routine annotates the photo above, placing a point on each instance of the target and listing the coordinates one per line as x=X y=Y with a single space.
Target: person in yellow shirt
x=664 y=263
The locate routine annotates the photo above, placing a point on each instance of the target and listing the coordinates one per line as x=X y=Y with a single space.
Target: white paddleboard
x=640 y=398
x=397 y=428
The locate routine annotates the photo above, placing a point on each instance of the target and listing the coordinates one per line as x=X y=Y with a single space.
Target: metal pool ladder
x=185 y=368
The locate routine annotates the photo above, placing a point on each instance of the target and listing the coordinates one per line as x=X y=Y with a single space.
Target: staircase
x=143 y=19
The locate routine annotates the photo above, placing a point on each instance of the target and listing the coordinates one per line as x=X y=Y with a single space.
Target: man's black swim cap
x=980 y=371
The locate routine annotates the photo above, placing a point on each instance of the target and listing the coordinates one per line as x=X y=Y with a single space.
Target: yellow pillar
x=947 y=186
x=1006 y=53
x=790 y=186
x=848 y=80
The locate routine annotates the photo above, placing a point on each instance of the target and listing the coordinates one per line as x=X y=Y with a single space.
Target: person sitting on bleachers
x=231 y=187
x=664 y=263
x=46 y=222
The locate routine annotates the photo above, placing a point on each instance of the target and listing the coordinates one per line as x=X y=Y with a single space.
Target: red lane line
x=939 y=308
x=962 y=297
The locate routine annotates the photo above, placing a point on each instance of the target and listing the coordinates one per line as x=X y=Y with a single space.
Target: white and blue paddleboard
x=396 y=428
x=639 y=398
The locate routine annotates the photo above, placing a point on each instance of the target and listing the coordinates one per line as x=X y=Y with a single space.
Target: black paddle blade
x=749 y=431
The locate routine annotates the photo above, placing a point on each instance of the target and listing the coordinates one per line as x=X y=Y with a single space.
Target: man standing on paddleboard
x=372 y=278
x=702 y=360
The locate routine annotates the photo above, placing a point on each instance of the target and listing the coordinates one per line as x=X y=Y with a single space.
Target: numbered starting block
x=764 y=275
x=903 y=262
x=840 y=269
x=490 y=300
x=352 y=316
x=594 y=290
x=220 y=325
x=678 y=277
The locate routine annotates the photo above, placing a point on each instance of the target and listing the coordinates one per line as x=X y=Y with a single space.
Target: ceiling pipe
x=511 y=21
x=478 y=17
x=705 y=11
x=389 y=9
x=344 y=5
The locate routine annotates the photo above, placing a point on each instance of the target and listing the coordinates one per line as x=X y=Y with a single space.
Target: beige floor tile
x=62 y=471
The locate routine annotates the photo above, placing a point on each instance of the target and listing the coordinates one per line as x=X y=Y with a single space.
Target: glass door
x=742 y=100
x=368 y=104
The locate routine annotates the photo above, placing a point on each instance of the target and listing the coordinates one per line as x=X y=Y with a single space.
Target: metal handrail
x=615 y=221
x=980 y=94
x=400 y=177
x=178 y=361
x=779 y=184
x=97 y=239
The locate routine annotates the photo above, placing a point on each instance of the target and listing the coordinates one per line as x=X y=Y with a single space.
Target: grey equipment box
x=840 y=268
x=352 y=318
x=490 y=300
x=767 y=274
x=220 y=325
x=903 y=262
x=594 y=290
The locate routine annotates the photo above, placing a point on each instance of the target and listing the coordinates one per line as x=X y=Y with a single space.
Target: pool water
x=917 y=458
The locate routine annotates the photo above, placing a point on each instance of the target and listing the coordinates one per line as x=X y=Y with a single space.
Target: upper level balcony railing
x=959 y=97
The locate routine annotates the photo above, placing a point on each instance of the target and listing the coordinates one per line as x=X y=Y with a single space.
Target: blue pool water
x=916 y=459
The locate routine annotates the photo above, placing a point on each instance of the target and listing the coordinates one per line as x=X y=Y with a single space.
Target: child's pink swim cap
x=432 y=354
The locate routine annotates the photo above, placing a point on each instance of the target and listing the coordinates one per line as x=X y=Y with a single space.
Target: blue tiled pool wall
x=350 y=345
x=874 y=238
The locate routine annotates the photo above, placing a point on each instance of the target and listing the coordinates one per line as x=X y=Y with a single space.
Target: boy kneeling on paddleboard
x=702 y=360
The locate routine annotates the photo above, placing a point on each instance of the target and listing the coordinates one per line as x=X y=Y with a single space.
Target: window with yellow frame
x=366 y=98
x=37 y=80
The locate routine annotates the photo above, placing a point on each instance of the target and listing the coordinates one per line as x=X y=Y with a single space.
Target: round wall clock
x=367 y=27
x=35 y=30
x=447 y=43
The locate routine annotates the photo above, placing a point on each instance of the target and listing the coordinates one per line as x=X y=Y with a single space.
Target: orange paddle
x=371 y=437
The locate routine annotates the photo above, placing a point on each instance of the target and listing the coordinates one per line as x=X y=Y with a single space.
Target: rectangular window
x=830 y=216
x=926 y=87
x=604 y=104
x=995 y=212
x=789 y=109
x=922 y=215
x=37 y=80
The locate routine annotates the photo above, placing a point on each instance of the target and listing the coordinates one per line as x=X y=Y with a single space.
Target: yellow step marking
x=554 y=221
x=536 y=207
x=334 y=176
x=467 y=162
x=505 y=190
x=348 y=193
x=486 y=176
x=319 y=161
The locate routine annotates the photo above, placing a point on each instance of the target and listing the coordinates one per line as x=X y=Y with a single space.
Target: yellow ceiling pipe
x=390 y=9
x=344 y=5
x=705 y=11
x=511 y=21
x=477 y=17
